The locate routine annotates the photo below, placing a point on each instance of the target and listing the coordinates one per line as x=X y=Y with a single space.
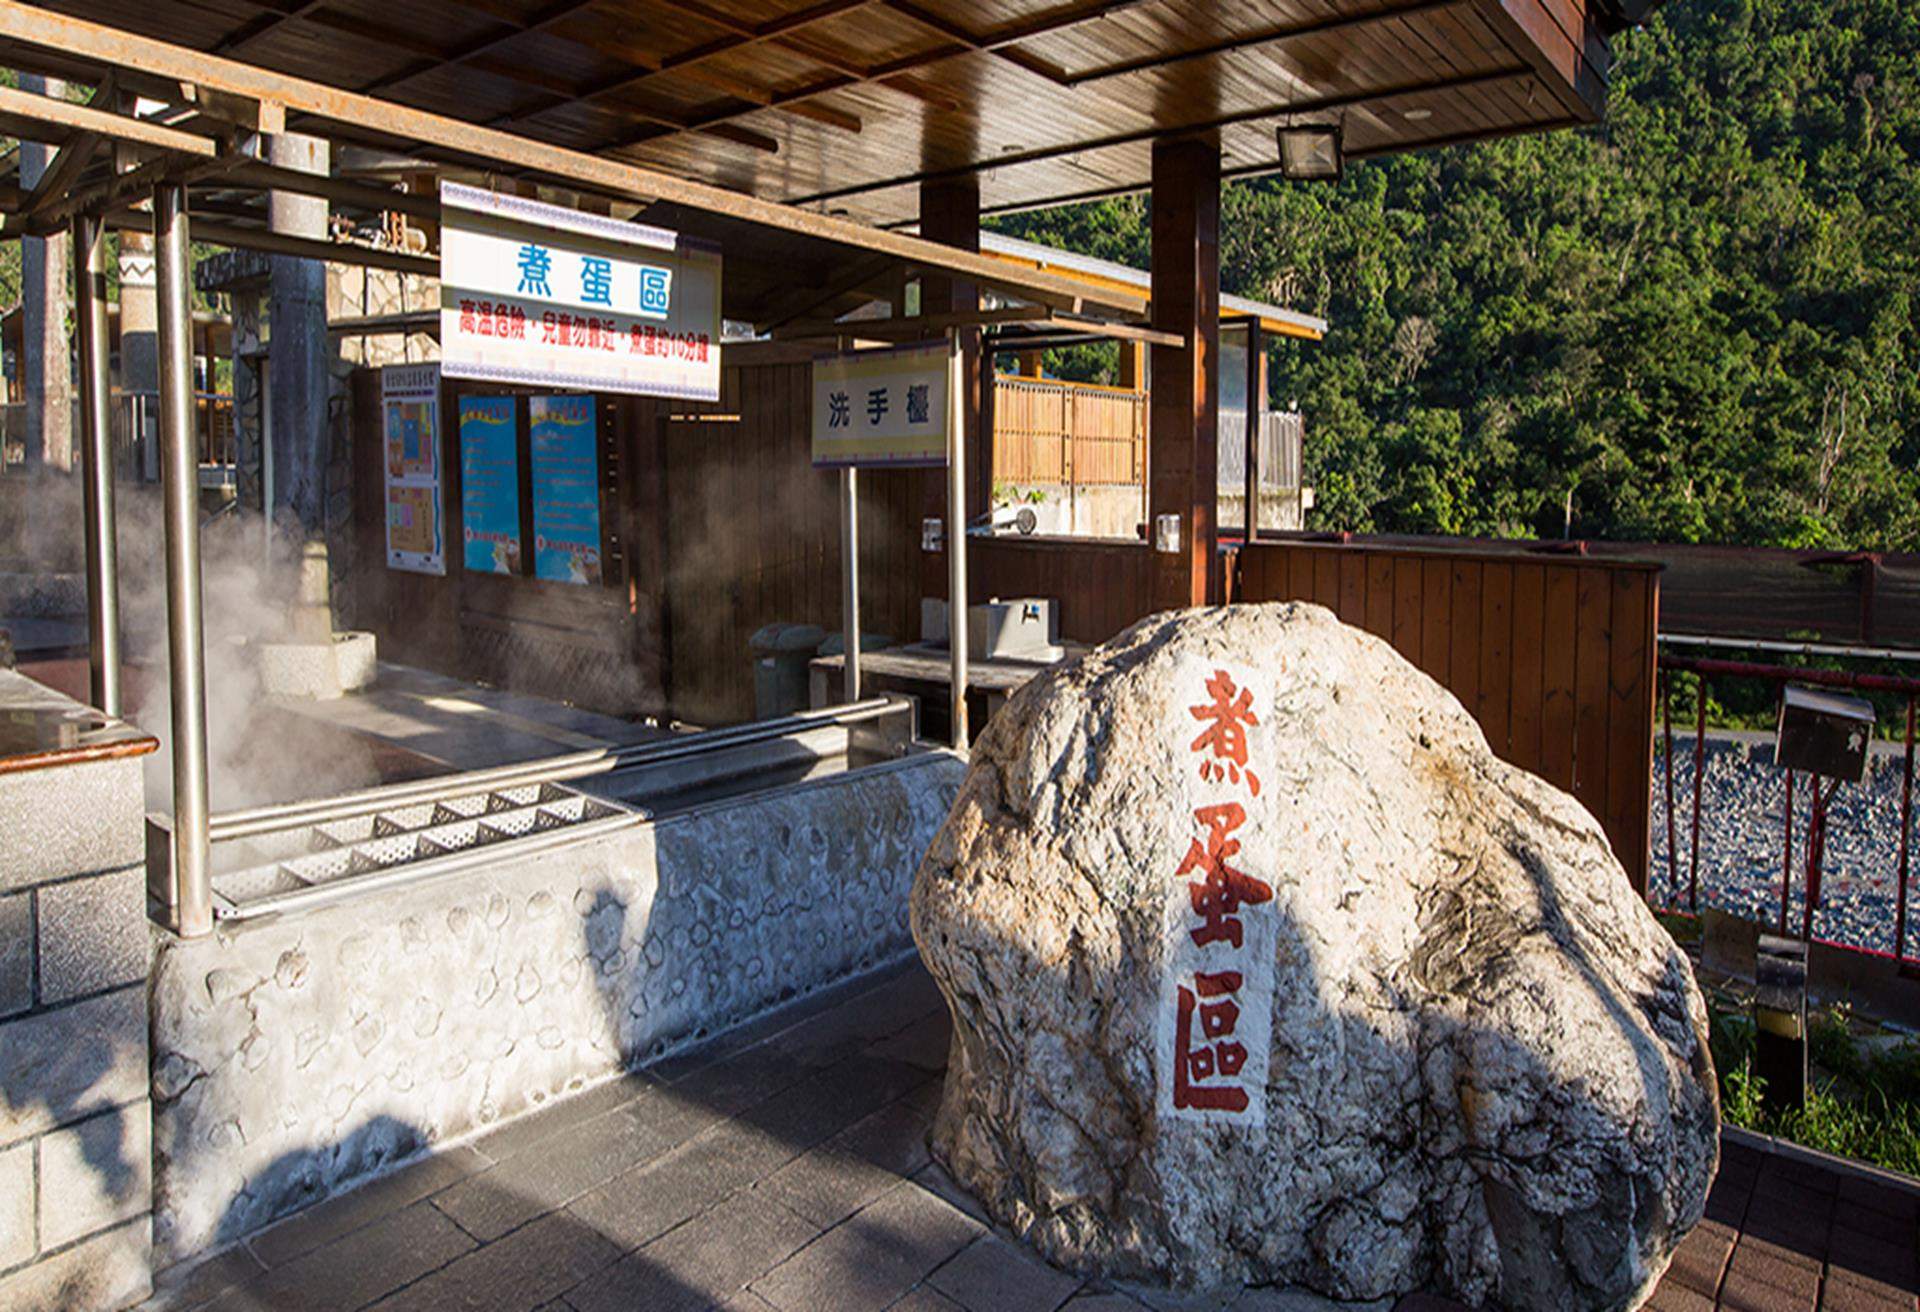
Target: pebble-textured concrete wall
x=294 y=1055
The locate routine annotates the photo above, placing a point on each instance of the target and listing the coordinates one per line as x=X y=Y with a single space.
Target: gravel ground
x=1742 y=819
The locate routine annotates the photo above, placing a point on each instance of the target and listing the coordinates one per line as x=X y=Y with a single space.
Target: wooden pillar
x=1182 y=459
x=950 y=215
x=1030 y=364
x=1133 y=366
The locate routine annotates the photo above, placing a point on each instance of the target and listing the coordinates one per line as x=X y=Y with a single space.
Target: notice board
x=410 y=418
x=564 y=442
x=490 y=484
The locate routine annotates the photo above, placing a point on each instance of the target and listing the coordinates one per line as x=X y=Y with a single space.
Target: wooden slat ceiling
x=844 y=105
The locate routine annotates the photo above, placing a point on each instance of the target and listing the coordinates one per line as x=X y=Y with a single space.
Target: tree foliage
x=1693 y=322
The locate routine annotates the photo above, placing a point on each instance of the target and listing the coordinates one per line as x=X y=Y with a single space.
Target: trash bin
x=836 y=643
x=780 y=654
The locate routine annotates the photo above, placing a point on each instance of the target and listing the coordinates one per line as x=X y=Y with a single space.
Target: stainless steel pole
x=186 y=641
x=96 y=463
x=850 y=577
x=957 y=536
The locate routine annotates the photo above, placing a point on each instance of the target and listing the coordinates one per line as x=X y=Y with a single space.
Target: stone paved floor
x=784 y=1169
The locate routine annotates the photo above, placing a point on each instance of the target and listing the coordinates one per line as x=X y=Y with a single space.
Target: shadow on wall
x=69 y=1078
x=505 y=1238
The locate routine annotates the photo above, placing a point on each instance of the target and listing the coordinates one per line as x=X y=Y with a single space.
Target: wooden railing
x=1078 y=434
x=1553 y=656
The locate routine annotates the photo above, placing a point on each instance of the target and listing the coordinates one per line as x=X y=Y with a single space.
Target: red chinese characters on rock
x=1222 y=890
x=1216 y=1053
x=1207 y=1064
x=1227 y=716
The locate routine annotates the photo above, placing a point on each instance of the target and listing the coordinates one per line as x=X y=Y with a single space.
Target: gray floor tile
x=926 y=1298
x=925 y=1044
x=933 y=1177
x=921 y=1226
x=710 y=1258
x=993 y=1274
x=356 y=1269
x=640 y=1205
x=894 y=1138
x=828 y=1184
x=184 y=1288
x=523 y=1132
x=826 y=1103
x=529 y=1267
x=302 y=1233
x=551 y=1174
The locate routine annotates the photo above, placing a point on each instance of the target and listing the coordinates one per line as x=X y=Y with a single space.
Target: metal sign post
x=850 y=580
x=957 y=538
x=180 y=487
x=96 y=462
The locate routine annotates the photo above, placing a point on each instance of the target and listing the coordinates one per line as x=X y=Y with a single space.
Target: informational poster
x=410 y=405
x=566 y=488
x=544 y=295
x=490 y=484
x=881 y=408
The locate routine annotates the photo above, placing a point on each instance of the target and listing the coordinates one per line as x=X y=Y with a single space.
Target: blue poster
x=566 y=488
x=490 y=484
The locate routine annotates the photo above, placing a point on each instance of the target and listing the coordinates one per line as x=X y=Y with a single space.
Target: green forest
x=1695 y=322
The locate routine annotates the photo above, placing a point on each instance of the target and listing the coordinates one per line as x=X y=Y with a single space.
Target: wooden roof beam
x=959 y=42
x=67 y=118
x=485 y=147
x=740 y=35
x=73 y=157
x=1320 y=26
x=1317 y=105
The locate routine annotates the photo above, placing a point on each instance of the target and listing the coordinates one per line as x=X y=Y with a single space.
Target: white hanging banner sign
x=880 y=408
x=539 y=294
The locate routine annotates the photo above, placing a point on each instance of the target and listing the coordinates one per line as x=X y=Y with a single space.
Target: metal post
x=1699 y=782
x=957 y=538
x=1786 y=867
x=850 y=585
x=96 y=463
x=1906 y=830
x=1673 y=848
x=180 y=486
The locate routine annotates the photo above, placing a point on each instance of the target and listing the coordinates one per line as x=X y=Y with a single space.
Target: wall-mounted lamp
x=1311 y=152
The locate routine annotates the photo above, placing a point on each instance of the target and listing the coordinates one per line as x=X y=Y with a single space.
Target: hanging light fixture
x=1311 y=152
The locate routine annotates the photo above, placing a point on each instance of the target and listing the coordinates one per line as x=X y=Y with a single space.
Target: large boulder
x=1265 y=970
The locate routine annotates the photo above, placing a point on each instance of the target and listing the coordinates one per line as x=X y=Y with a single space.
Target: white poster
x=538 y=294
x=410 y=425
x=1214 y=1033
x=882 y=407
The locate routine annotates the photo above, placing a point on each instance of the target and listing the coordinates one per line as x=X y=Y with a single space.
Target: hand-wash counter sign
x=538 y=294
x=881 y=407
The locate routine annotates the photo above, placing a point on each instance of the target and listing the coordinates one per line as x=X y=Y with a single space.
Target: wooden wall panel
x=1554 y=658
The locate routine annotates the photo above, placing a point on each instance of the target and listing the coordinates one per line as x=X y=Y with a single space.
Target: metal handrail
x=556 y=769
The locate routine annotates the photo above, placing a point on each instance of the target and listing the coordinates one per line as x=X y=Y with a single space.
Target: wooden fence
x=1102 y=585
x=1554 y=657
x=1046 y=431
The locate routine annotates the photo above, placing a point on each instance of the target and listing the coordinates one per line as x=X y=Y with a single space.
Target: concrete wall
x=295 y=1055
x=74 y=947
